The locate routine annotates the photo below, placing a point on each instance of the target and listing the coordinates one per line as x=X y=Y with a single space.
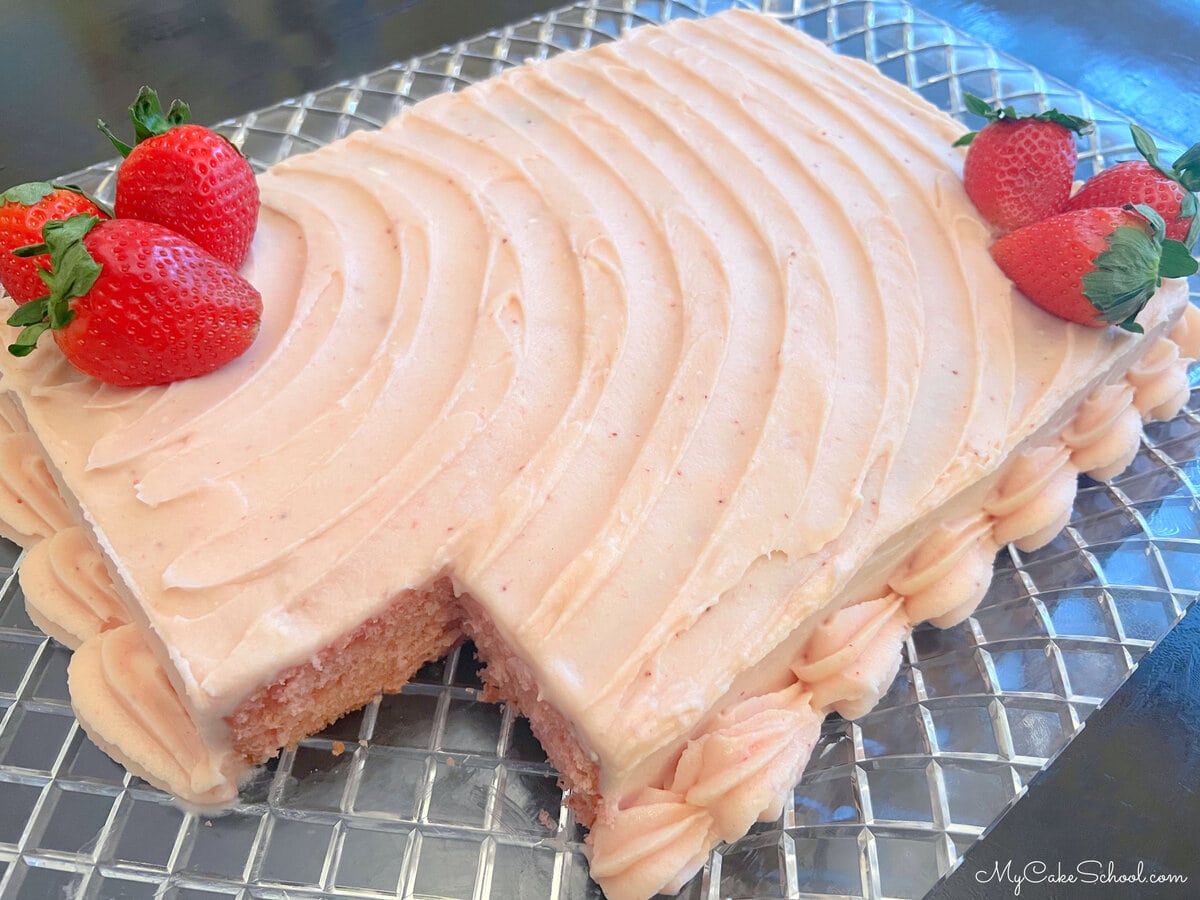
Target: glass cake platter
x=432 y=793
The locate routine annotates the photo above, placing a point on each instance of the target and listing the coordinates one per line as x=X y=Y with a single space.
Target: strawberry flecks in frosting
x=855 y=692
x=853 y=656
x=702 y=441
x=741 y=770
x=68 y=591
x=839 y=641
x=949 y=564
x=653 y=845
x=1033 y=500
x=30 y=505
x=129 y=692
x=1024 y=480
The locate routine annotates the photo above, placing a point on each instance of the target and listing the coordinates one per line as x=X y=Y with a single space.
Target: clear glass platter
x=433 y=793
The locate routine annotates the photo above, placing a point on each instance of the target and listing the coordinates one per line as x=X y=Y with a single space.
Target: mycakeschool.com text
x=1017 y=875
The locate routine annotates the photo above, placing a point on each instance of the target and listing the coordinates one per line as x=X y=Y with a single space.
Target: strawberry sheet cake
x=675 y=374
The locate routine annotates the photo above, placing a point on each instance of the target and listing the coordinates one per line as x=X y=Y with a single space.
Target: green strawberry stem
x=981 y=107
x=72 y=273
x=149 y=120
x=33 y=192
x=28 y=194
x=1131 y=269
x=1185 y=172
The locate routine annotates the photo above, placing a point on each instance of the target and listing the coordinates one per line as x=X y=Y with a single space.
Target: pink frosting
x=654 y=844
x=1033 y=501
x=30 y=505
x=1104 y=435
x=1186 y=334
x=854 y=655
x=1161 y=383
x=129 y=689
x=68 y=592
x=741 y=771
x=948 y=574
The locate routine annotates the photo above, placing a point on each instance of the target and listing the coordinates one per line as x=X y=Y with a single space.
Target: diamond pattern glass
x=433 y=793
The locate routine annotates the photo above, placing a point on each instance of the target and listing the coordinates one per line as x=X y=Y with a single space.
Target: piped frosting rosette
x=124 y=699
x=74 y=595
x=854 y=655
x=741 y=768
x=727 y=779
x=31 y=507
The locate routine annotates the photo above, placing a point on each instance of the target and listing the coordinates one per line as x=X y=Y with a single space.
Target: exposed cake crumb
x=383 y=652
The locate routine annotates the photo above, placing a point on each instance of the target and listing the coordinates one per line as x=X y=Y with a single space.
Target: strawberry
x=1094 y=266
x=1171 y=192
x=1019 y=168
x=133 y=303
x=186 y=177
x=24 y=209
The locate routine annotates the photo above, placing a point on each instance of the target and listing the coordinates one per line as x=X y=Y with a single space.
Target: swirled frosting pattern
x=650 y=844
x=741 y=768
x=68 y=592
x=144 y=723
x=666 y=353
x=31 y=507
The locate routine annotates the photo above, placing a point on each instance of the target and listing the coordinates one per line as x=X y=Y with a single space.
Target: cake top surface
x=648 y=348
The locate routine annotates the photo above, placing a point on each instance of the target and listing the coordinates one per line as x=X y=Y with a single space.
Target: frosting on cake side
x=682 y=359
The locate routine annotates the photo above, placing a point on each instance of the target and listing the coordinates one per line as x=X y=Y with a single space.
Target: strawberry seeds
x=1095 y=258
x=153 y=295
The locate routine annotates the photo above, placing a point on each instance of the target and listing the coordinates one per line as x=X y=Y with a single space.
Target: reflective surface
x=449 y=797
x=1141 y=57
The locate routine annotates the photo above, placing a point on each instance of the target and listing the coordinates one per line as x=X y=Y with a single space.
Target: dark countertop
x=1127 y=789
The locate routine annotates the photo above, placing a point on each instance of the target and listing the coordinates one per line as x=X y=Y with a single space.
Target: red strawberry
x=188 y=178
x=133 y=303
x=24 y=209
x=1171 y=192
x=1093 y=266
x=1019 y=168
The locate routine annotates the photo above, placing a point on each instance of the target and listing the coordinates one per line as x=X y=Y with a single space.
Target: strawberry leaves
x=1128 y=272
x=1177 y=261
x=149 y=120
x=27 y=194
x=33 y=192
x=72 y=273
x=1185 y=172
x=133 y=303
x=981 y=107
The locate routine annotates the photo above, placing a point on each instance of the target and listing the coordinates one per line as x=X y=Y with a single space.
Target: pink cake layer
x=845 y=656
x=697 y=443
x=379 y=656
